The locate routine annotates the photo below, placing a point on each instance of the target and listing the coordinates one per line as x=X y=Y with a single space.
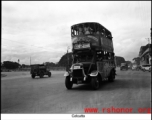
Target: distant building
x=145 y=54
x=136 y=60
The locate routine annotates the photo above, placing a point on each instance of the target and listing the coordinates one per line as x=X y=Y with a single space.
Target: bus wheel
x=49 y=74
x=95 y=83
x=68 y=84
x=112 y=76
x=33 y=76
x=41 y=75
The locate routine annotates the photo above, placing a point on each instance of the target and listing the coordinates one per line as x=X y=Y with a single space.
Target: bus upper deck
x=92 y=28
x=95 y=33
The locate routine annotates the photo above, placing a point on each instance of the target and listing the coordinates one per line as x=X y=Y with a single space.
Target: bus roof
x=92 y=23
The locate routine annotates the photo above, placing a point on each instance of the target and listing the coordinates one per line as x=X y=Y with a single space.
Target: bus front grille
x=78 y=73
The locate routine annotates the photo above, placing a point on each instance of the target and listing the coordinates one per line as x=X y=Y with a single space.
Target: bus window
x=72 y=32
x=76 y=33
x=98 y=29
x=109 y=56
x=103 y=32
x=97 y=32
x=106 y=55
x=100 y=55
x=110 y=37
x=89 y=28
x=80 y=31
x=86 y=30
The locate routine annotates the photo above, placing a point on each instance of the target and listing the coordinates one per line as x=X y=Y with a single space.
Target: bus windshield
x=83 y=57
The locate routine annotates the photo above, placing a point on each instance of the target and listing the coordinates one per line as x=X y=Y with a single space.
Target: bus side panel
x=104 y=68
x=100 y=66
x=106 y=44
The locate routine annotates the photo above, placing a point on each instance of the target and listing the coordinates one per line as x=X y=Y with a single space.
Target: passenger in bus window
x=97 y=32
x=86 y=30
x=80 y=31
x=72 y=33
x=102 y=34
x=108 y=55
x=104 y=56
x=109 y=36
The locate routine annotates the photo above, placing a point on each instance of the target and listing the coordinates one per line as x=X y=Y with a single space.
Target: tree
x=50 y=64
x=119 y=60
x=65 y=60
x=10 y=65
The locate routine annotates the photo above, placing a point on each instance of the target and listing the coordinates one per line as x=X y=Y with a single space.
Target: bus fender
x=94 y=73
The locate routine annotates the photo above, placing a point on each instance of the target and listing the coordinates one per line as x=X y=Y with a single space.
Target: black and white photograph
x=76 y=58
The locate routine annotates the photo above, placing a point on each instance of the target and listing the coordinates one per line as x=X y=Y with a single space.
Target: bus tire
x=49 y=74
x=41 y=75
x=95 y=83
x=33 y=76
x=68 y=84
x=111 y=77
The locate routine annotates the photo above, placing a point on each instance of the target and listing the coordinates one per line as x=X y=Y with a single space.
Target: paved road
x=22 y=94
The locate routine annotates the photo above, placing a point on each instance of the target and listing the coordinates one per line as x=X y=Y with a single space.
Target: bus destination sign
x=81 y=45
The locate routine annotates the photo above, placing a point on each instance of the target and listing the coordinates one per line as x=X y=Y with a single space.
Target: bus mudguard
x=94 y=73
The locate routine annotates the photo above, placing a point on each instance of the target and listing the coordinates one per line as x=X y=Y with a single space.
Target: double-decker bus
x=93 y=55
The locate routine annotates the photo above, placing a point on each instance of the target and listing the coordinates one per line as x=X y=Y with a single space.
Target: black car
x=39 y=70
x=124 y=66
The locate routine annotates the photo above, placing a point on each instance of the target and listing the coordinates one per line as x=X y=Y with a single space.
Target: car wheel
x=68 y=83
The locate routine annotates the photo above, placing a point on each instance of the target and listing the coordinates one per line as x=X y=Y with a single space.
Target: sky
x=40 y=30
